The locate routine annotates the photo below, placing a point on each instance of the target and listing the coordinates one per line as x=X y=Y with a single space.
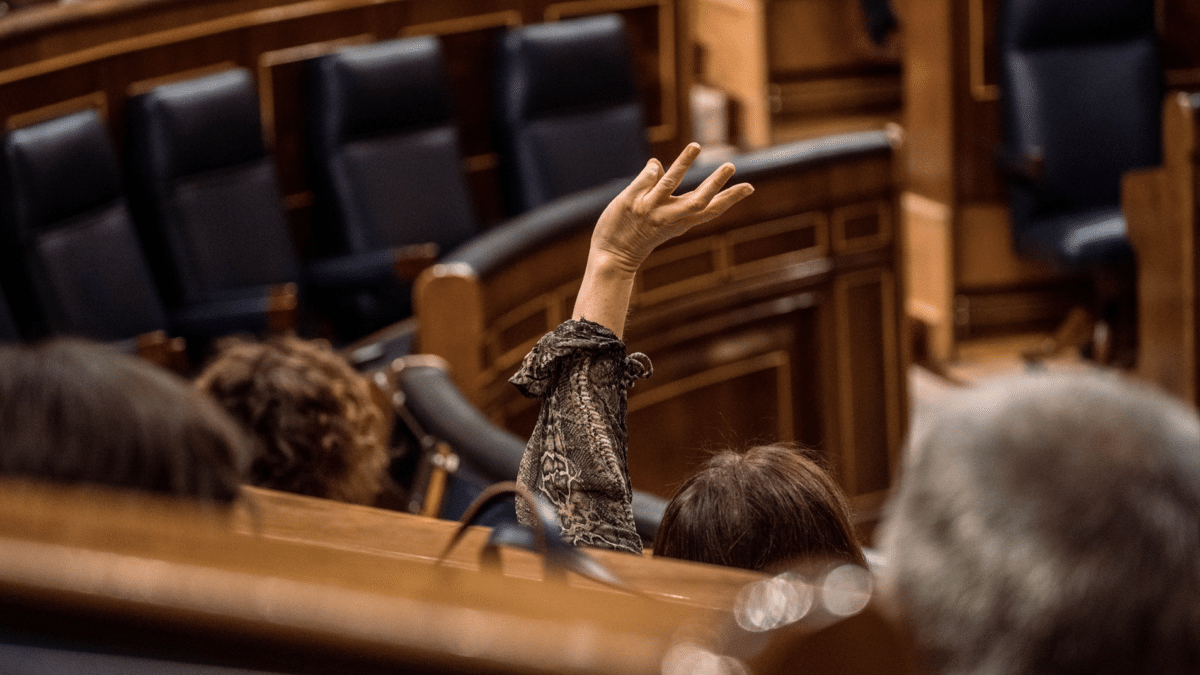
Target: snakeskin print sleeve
x=576 y=457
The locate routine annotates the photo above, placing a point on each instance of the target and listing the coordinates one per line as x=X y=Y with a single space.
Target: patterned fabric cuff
x=554 y=352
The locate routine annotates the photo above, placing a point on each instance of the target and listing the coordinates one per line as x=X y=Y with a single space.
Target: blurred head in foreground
x=1051 y=525
x=319 y=429
x=73 y=411
x=758 y=510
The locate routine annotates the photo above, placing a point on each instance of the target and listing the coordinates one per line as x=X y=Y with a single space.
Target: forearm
x=604 y=293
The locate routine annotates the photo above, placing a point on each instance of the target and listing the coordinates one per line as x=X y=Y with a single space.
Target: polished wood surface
x=160 y=578
x=779 y=321
x=1162 y=211
x=87 y=572
x=284 y=516
x=59 y=58
x=796 y=68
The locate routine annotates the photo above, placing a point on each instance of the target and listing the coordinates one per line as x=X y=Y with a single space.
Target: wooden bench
x=1162 y=211
x=86 y=571
x=779 y=321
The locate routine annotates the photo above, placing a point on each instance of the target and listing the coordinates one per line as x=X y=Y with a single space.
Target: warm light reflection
x=846 y=590
x=769 y=604
x=689 y=658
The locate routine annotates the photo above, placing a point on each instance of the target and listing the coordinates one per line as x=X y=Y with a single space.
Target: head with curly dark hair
x=320 y=430
x=73 y=411
x=758 y=510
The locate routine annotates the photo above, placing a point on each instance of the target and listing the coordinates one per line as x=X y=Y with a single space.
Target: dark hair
x=78 y=412
x=319 y=429
x=758 y=510
x=1051 y=524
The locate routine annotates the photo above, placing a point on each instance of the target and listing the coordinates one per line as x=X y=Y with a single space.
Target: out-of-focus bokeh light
x=689 y=658
x=846 y=590
x=771 y=603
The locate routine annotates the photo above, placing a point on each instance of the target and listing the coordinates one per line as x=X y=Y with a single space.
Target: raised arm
x=576 y=456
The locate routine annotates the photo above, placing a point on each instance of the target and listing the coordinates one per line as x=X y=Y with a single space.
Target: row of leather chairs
x=190 y=235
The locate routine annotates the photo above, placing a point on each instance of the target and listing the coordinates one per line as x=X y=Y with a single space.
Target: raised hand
x=647 y=213
x=643 y=216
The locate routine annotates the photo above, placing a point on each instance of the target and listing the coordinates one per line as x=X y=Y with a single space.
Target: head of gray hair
x=1051 y=524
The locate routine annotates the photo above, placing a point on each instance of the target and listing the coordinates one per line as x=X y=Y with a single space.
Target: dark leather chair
x=386 y=170
x=1081 y=99
x=73 y=263
x=206 y=196
x=568 y=110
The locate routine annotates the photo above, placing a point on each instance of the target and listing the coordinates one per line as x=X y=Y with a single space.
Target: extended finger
x=674 y=176
x=645 y=180
x=725 y=199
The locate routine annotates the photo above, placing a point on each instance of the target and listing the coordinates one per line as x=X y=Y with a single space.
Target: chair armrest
x=372 y=268
x=1027 y=165
x=274 y=310
x=159 y=348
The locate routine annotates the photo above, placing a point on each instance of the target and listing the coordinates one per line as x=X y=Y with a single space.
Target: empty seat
x=568 y=111
x=1081 y=100
x=73 y=263
x=207 y=200
x=385 y=165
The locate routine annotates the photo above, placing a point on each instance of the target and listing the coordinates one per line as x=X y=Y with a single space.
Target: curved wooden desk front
x=779 y=321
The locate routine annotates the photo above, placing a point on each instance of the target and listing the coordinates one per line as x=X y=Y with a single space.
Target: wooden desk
x=85 y=570
x=1162 y=210
x=282 y=516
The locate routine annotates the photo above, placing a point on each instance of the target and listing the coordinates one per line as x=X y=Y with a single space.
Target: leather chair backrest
x=75 y=249
x=385 y=157
x=206 y=192
x=1081 y=96
x=568 y=109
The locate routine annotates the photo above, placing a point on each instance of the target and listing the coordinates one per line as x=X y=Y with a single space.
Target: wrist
x=612 y=265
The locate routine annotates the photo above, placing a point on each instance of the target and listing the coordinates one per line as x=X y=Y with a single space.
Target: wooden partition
x=55 y=59
x=1162 y=210
x=779 y=321
x=167 y=585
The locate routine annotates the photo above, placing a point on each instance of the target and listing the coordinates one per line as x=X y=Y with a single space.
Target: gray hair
x=1051 y=524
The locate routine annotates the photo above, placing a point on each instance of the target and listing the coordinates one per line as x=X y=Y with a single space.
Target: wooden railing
x=779 y=321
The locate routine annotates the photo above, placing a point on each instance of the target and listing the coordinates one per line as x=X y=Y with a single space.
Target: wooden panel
x=1162 y=209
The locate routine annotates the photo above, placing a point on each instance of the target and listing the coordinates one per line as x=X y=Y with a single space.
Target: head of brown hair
x=758 y=510
x=73 y=411
x=319 y=429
